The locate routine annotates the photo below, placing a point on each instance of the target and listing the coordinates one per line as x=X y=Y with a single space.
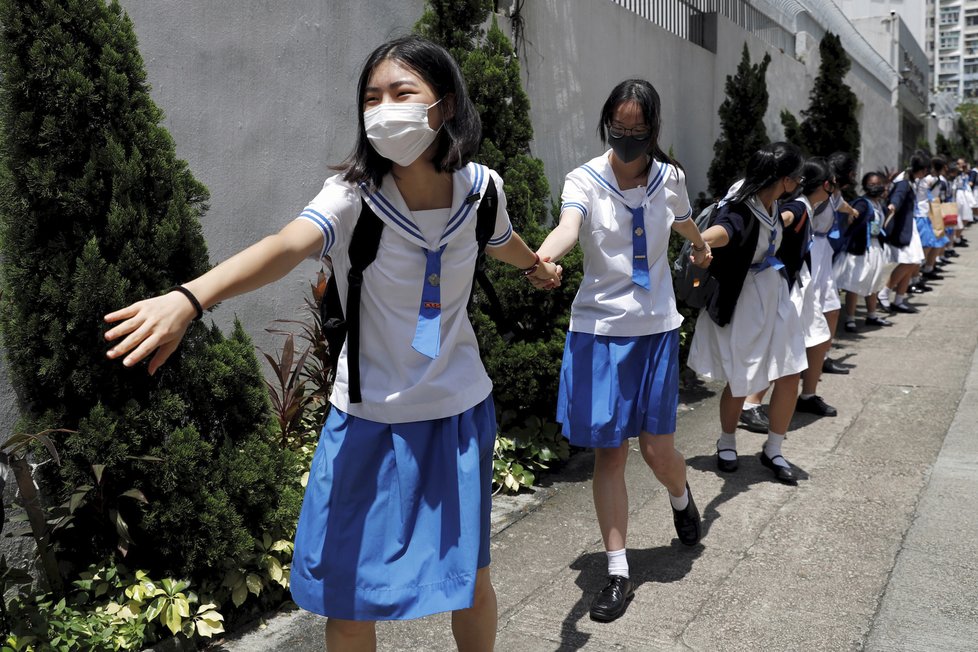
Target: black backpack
x=343 y=323
x=694 y=285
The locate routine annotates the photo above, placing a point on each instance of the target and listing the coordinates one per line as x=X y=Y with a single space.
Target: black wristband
x=190 y=296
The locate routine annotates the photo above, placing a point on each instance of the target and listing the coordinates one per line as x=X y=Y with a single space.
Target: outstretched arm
x=158 y=324
x=701 y=255
x=540 y=271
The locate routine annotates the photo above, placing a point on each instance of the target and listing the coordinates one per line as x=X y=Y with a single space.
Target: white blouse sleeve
x=677 y=198
x=575 y=195
x=334 y=211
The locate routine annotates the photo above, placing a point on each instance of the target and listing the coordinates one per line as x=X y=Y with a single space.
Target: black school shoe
x=904 y=308
x=878 y=321
x=755 y=420
x=783 y=474
x=932 y=275
x=611 y=603
x=815 y=405
x=688 y=523
x=830 y=366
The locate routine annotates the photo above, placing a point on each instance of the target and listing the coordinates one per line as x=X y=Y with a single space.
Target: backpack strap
x=485 y=224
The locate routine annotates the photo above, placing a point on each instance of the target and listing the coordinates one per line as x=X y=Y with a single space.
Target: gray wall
x=259 y=97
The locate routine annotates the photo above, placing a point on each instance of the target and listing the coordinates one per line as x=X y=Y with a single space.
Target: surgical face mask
x=628 y=148
x=399 y=132
x=875 y=190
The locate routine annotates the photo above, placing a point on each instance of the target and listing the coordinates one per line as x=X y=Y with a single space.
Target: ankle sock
x=804 y=396
x=617 y=562
x=680 y=503
x=727 y=441
x=750 y=406
x=900 y=299
x=772 y=448
x=871 y=315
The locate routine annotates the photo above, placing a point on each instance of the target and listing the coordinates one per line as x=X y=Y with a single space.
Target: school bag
x=342 y=323
x=695 y=286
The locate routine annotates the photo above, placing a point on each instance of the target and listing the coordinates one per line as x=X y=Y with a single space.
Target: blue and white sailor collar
x=599 y=174
x=761 y=213
x=468 y=187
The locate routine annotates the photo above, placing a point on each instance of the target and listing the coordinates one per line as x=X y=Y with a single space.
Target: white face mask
x=399 y=132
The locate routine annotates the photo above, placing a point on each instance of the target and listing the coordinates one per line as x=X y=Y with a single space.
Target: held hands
x=153 y=324
x=546 y=275
x=701 y=257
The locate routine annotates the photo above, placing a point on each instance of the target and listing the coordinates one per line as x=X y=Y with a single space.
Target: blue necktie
x=640 y=258
x=427 y=336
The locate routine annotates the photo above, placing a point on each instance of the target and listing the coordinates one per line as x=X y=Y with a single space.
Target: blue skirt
x=614 y=388
x=927 y=238
x=395 y=519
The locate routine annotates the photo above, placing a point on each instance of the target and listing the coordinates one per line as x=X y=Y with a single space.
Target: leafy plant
x=266 y=567
x=288 y=393
x=533 y=445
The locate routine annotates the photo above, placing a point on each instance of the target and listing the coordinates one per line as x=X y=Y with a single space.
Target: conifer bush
x=96 y=212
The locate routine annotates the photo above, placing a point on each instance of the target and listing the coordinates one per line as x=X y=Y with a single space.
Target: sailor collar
x=599 y=174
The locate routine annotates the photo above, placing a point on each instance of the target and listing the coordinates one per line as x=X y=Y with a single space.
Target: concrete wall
x=259 y=97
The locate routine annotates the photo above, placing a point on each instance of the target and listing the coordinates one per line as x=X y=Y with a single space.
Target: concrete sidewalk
x=877 y=548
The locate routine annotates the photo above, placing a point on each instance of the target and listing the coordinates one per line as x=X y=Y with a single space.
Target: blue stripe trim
x=657 y=180
x=574 y=204
x=465 y=209
x=388 y=209
x=601 y=180
x=685 y=217
x=503 y=239
x=323 y=223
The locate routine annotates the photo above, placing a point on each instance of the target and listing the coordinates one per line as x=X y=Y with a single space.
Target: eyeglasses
x=638 y=133
x=799 y=180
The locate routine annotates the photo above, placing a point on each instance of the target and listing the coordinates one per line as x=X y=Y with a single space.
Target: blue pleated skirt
x=614 y=388
x=927 y=238
x=395 y=519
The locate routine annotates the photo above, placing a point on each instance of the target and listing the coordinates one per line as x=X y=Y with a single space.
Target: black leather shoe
x=815 y=405
x=755 y=420
x=962 y=243
x=951 y=253
x=687 y=521
x=830 y=366
x=611 y=603
x=782 y=473
x=932 y=275
x=904 y=308
x=851 y=327
x=727 y=466
x=878 y=321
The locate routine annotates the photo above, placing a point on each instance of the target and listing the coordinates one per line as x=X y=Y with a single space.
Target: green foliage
x=742 y=130
x=96 y=212
x=965 y=131
x=830 y=123
x=111 y=609
x=523 y=365
x=792 y=129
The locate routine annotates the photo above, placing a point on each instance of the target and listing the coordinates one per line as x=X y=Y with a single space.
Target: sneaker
x=755 y=420
x=689 y=527
x=851 y=327
x=815 y=405
x=878 y=321
x=611 y=603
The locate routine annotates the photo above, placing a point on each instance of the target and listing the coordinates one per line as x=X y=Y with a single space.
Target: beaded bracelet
x=695 y=248
x=532 y=268
x=190 y=296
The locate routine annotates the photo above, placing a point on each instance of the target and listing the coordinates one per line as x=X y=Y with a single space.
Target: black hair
x=938 y=164
x=918 y=162
x=769 y=165
x=843 y=167
x=460 y=135
x=816 y=171
x=869 y=175
x=645 y=95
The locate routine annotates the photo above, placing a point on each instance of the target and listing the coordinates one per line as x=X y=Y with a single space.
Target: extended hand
x=153 y=324
x=547 y=275
x=702 y=258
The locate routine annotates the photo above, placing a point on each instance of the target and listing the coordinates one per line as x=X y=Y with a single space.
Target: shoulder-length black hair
x=458 y=140
x=843 y=167
x=816 y=171
x=918 y=162
x=645 y=95
x=767 y=166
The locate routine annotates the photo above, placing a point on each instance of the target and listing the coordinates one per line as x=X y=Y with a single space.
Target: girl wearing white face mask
x=395 y=521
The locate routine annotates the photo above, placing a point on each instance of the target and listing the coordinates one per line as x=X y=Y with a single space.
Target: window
x=949 y=41
x=950 y=15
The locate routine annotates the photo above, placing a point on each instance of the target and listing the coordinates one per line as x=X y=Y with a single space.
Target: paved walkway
x=876 y=549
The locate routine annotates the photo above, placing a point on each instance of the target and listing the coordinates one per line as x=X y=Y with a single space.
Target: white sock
x=805 y=397
x=850 y=319
x=727 y=442
x=870 y=315
x=884 y=295
x=900 y=299
x=928 y=268
x=772 y=448
x=617 y=562
x=750 y=406
x=680 y=503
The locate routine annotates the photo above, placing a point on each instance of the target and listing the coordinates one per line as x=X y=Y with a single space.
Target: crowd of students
x=395 y=521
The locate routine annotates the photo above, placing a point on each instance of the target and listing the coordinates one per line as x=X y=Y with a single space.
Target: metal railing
x=685 y=18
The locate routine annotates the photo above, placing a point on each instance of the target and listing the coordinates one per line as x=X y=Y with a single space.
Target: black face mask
x=628 y=148
x=875 y=191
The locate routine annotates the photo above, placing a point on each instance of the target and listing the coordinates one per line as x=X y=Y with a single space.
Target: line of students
x=395 y=520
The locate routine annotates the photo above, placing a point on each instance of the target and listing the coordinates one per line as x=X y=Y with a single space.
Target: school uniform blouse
x=398 y=382
x=624 y=234
x=899 y=232
x=796 y=245
x=865 y=227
